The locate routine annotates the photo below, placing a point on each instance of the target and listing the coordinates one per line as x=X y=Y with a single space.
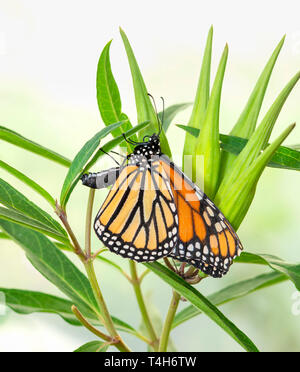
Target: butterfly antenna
x=128 y=140
x=162 y=116
x=157 y=116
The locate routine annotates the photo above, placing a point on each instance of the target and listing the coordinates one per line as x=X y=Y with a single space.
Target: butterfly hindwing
x=206 y=239
x=138 y=219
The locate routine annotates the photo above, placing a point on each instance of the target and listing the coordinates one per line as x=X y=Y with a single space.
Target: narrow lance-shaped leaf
x=28 y=302
x=93 y=347
x=29 y=182
x=246 y=123
x=170 y=112
x=52 y=264
x=26 y=144
x=3 y=235
x=199 y=109
x=208 y=145
x=21 y=219
x=101 y=152
x=292 y=271
x=145 y=110
x=110 y=145
x=202 y=303
x=108 y=95
x=284 y=157
x=258 y=140
x=236 y=202
x=12 y=198
x=58 y=269
x=232 y=292
x=81 y=159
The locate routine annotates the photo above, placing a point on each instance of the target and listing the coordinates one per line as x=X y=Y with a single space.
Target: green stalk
x=199 y=109
x=89 y=267
x=88 y=224
x=163 y=346
x=141 y=303
x=88 y=325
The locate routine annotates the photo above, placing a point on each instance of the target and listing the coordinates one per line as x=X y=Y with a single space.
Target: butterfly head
x=149 y=147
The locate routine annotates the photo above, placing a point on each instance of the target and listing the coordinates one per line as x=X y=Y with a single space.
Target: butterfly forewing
x=206 y=239
x=138 y=219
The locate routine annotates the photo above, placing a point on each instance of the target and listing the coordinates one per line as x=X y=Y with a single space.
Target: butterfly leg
x=102 y=179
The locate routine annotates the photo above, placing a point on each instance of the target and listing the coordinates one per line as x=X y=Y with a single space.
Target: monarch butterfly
x=154 y=210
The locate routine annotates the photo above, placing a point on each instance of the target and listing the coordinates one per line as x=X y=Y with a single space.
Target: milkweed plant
x=232 y=165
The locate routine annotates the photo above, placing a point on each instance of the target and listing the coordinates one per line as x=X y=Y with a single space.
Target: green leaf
x=199 y=108
x=258 y=140
x=295 y=147
x=14 y=216
x=208 y=144
x=52 y=264
x=284 y=157
x=232 y=292
x=4 y=236
x=80 y=161
x=29 y=182
x=26 y=144
x=102 y=151
x=113 y=143
x=170 y=113
x=246 y=123
x=292 y=271
x=235 y=201
x=202 y=303
x=108 y=95
x=59 y=270
x=12 y=198
x=28 y=302
x=93 y=347
x=145 y=110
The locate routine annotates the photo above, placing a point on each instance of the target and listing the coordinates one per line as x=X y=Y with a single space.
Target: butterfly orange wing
x=206 y=239
x=138 y=219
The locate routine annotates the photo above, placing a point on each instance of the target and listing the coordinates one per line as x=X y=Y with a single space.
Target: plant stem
x=89 y=267
x=168 y=322
x=140 y=300
x=76 y=246
x=88 y=223
x=87 y=325
x=108 y=323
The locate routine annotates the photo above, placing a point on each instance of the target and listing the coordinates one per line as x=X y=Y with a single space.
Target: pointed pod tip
x=281 y=42
x=226 y=49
